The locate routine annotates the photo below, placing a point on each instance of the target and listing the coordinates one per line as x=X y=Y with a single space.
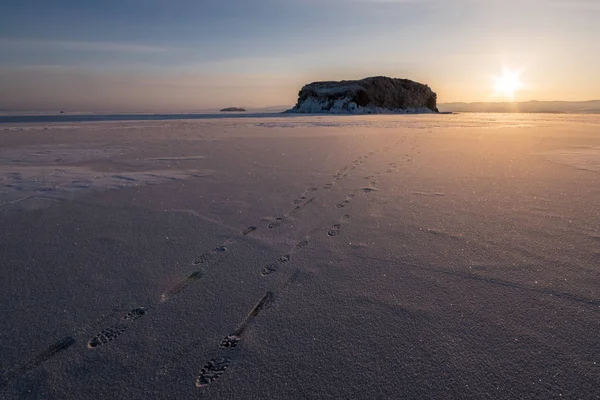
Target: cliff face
x=366 y=96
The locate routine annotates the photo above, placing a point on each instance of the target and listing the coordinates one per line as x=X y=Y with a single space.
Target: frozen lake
x=284 y=256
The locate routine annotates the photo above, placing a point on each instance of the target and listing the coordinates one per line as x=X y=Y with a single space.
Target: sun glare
x=508 y=83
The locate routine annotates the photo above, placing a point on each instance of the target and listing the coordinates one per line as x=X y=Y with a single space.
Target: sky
x=192 y=55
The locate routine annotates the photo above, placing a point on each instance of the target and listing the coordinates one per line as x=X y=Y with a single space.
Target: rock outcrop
x=233 y=109
x=373 y=95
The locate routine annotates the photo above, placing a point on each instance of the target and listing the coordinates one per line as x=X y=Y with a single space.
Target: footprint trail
x=216 y=366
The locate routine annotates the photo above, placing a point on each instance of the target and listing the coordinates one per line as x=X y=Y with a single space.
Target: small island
x=233 y=109
x=374 y=95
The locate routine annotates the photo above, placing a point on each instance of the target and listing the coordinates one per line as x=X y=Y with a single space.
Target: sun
x=508 y=83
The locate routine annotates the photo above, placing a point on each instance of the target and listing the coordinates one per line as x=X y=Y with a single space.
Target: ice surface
x=382 y=256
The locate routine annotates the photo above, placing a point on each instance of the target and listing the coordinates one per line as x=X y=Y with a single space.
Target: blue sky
x=157 y=55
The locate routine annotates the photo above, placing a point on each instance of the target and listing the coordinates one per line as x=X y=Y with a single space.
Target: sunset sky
x=185 y=55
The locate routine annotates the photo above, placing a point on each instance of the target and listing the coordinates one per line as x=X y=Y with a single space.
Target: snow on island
x=374 y=95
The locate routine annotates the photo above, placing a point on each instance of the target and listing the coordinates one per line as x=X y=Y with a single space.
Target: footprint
x=45 y=355
x=273 y=267
x=206 y=257
x=230 y=342
x=300 y=199
x=106 y=335
x=278 y=221
x=269 y=269
x=328 y=186
x=301 y=244
x=212 y=371
x=203 y=258
x=134 y=314
x=215 y=367
x=335 y=230
x=177 y=288
x=369 y=189
x=111 y=333
x=233 y=339
x=343 y=204
x=248 y=230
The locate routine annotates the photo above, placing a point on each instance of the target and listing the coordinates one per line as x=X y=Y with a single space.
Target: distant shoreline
x=72 y=118
x=526 y=107
x=5 y=119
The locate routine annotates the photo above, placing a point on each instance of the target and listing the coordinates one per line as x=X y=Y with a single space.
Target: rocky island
x=233 y=109
x=372 y=95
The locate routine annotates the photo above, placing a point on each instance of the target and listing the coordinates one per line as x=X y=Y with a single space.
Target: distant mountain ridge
x=572 y=107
